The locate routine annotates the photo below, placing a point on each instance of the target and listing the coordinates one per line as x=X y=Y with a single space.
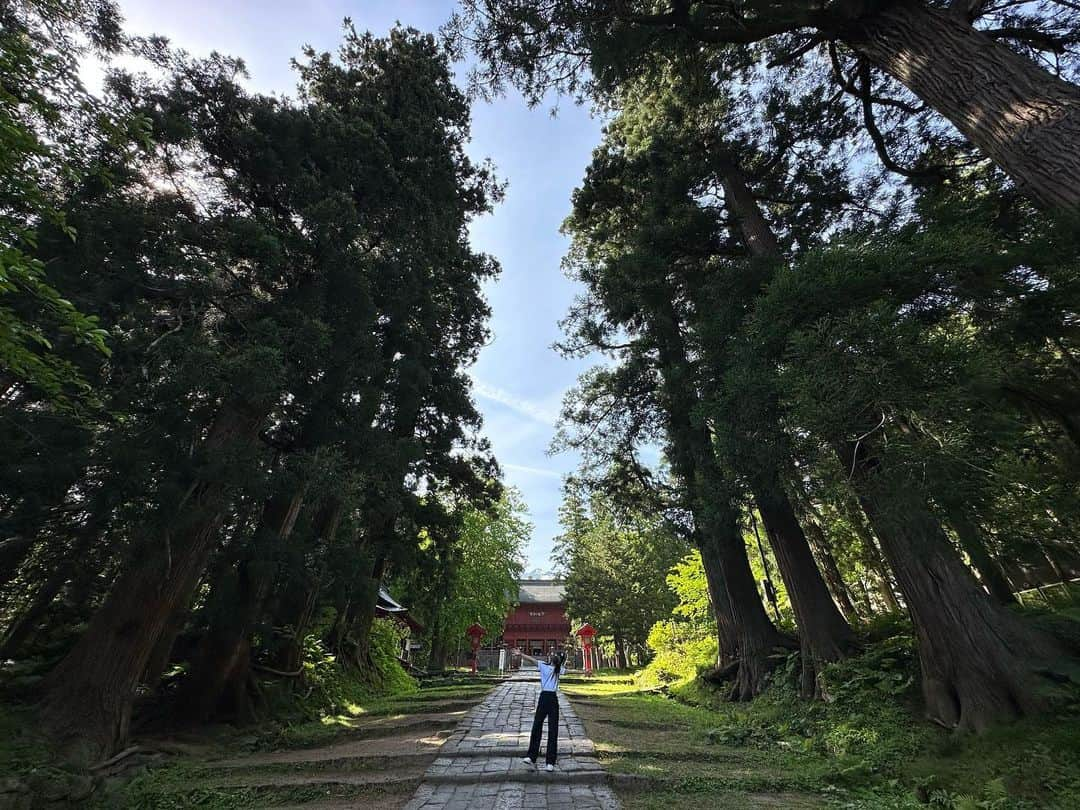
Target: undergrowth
x=885 y=754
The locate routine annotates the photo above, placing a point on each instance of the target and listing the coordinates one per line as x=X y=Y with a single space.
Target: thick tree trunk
x=365 y=616
x=978 y=661
x=824 y=635
x=438 y=655
x=757 y=233
x=727 y=641
x=822 y=546
x=87 y=709
x=222 y=657
x=757 y=637
x=1021 y=116
x=695 y=460
x=340 y=628
x=162 y=654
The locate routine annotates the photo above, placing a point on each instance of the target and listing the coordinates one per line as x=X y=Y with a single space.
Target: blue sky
x=519 y=380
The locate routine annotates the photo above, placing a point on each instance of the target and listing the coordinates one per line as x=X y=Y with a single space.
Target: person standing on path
x=546 y=707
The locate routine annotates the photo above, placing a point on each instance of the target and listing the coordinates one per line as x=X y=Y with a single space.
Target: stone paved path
x=480 y=767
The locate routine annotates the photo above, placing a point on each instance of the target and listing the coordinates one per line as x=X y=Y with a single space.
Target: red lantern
x=587 y=633
x=475 y=633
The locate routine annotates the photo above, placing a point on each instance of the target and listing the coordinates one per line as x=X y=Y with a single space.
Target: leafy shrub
x=335 y=689
x=885 y=667
x=387 y=676
x=681 y=652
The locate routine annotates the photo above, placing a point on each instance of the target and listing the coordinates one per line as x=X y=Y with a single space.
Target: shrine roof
x=533 y=591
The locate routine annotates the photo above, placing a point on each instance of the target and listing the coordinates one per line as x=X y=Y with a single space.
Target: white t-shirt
x=549 y=679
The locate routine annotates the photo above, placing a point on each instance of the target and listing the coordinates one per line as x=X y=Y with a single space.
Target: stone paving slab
x=513 y=796
x=507 y=765
x=479 y=766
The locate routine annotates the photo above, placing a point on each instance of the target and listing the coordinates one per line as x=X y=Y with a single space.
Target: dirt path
x=372 y=762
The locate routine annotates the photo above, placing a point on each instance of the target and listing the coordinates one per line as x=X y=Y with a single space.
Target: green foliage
x=332 y=687
x=387 y=676
x=614 y=560
x=864 y=749
x=867 y=719
x=684 y=644
x=292 y=302
x=468 y=572
x=883 y=754
x=44 y=116
x=678 y=654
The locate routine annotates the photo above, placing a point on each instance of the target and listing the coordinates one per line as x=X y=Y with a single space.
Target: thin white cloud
x=534 y=410
x=521 y=468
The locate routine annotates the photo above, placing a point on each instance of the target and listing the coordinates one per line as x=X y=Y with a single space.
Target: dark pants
x=547 y=706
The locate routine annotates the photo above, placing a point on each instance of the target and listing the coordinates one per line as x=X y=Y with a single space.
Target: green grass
x=867 y=748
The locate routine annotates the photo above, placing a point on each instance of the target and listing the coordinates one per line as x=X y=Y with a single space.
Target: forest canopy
x=827 y=257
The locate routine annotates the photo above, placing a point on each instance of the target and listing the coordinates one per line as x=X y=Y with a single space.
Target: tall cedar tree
x=292 y=222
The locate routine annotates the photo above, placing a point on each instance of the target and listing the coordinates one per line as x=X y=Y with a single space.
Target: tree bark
x=978 y=661
x=162 y=653
x=222 y=658
x=295 y=603
x=365 y=617
x=1022 y=117
x=438 y=655
x=695 y=460
x=756 y=636
x=87 y=709
x=726 y=636
x=824 y=634
x=757 y=233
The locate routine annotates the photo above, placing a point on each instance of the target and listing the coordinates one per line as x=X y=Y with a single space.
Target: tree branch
x=806 y=47
x=1034 y=37
x=876 y=136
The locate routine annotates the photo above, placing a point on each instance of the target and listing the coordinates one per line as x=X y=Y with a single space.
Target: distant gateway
x=538 y=624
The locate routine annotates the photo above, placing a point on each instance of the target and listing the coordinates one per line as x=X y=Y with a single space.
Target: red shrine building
x=538 y=624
